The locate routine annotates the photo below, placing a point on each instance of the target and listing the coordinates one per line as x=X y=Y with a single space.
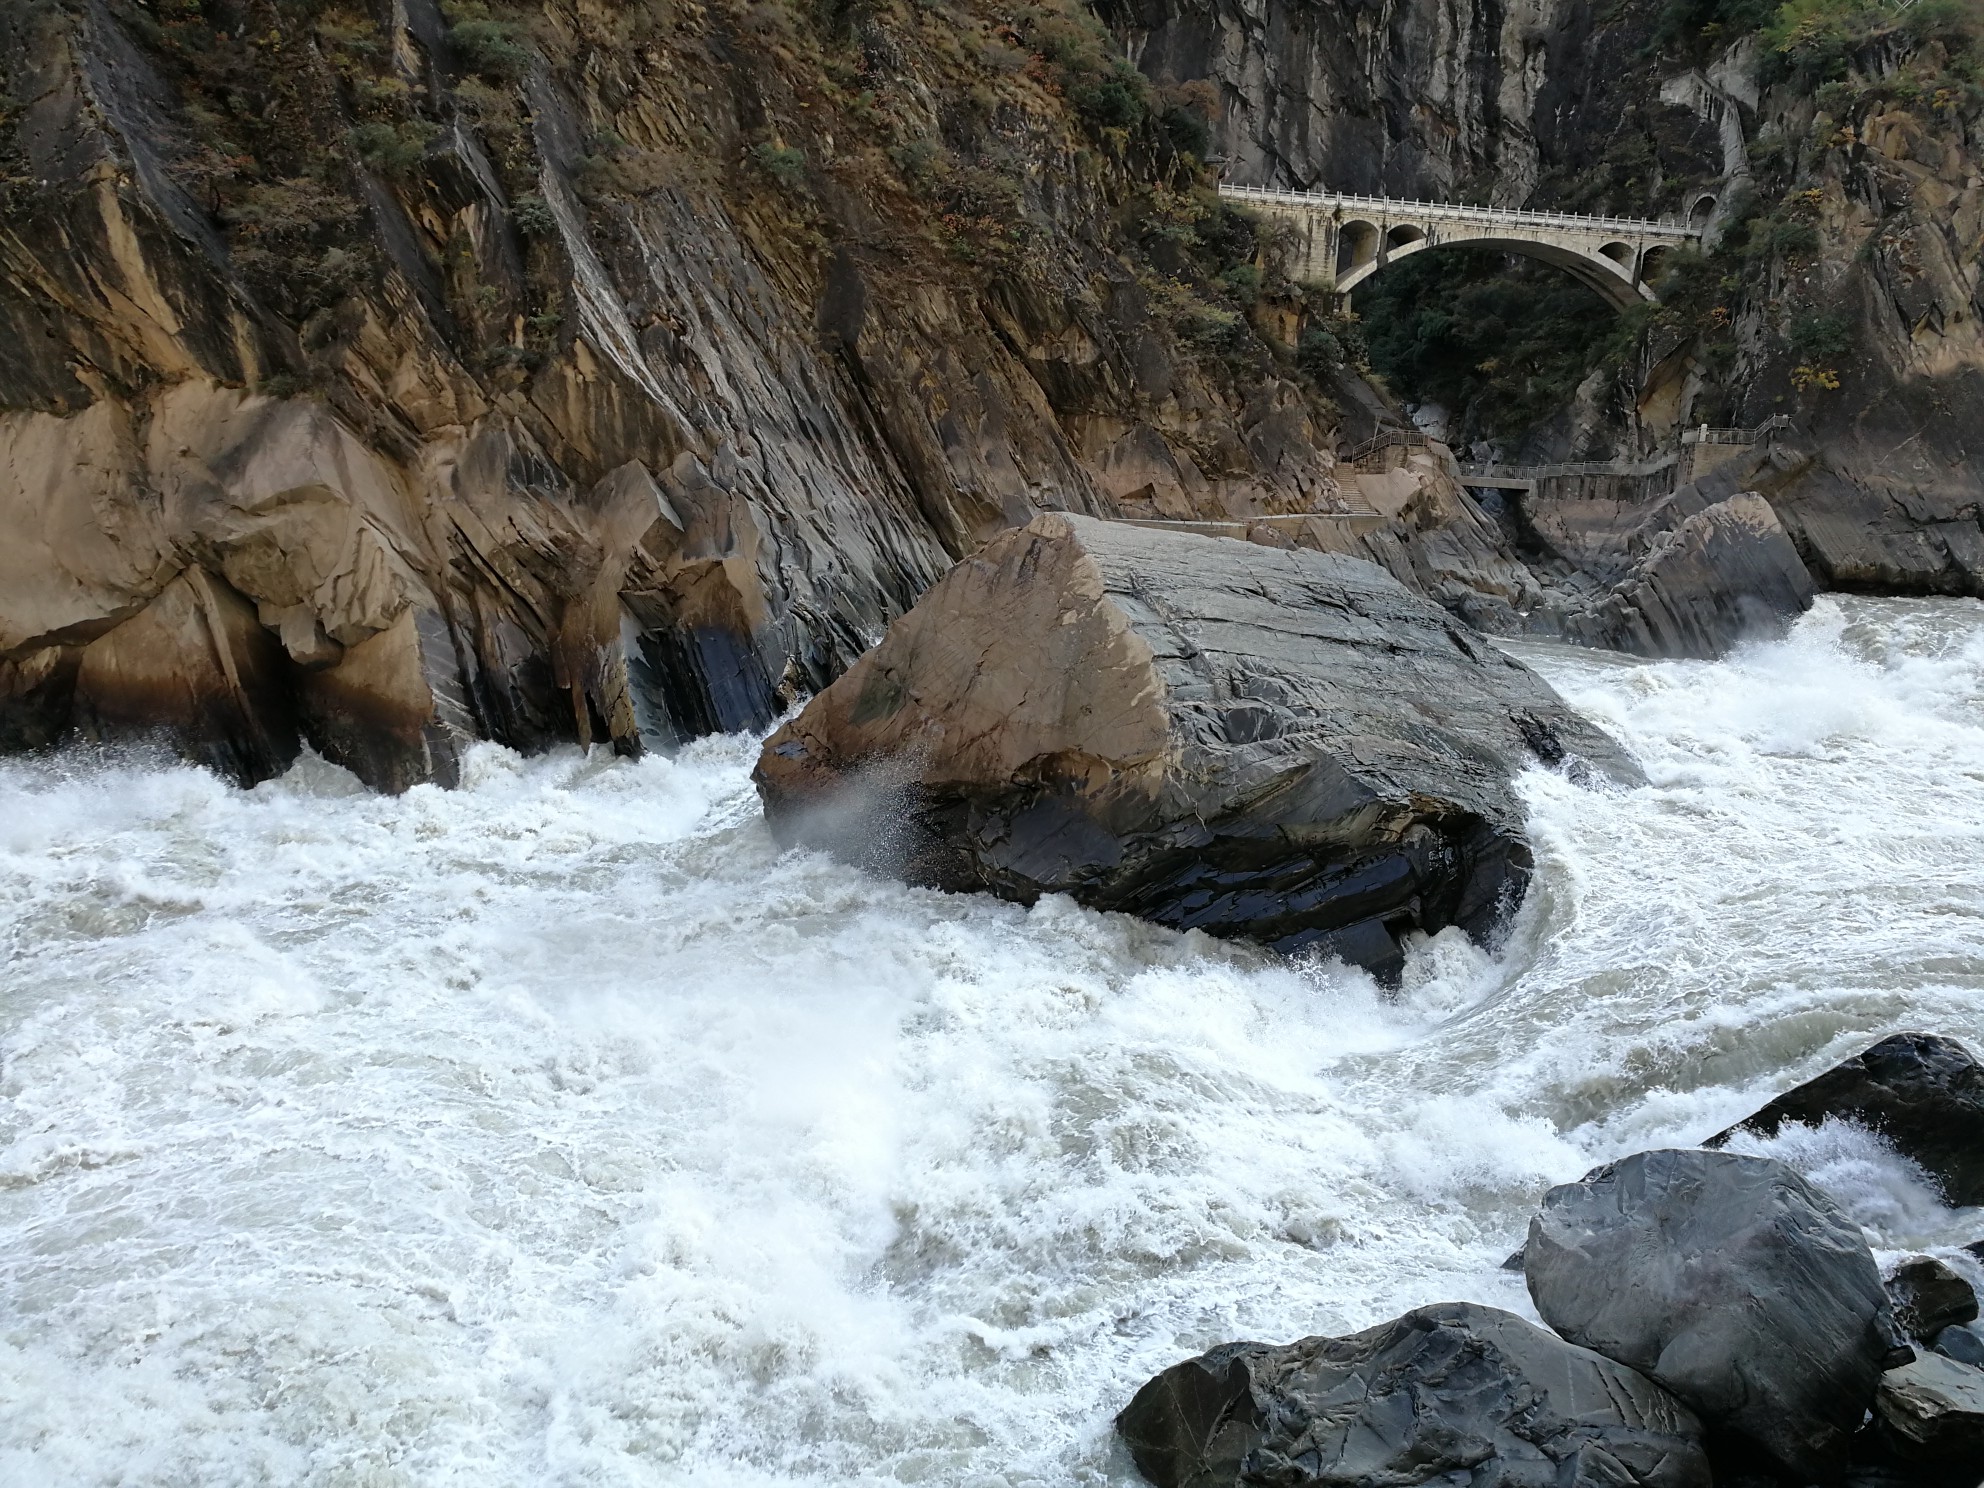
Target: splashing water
x=560 y=1130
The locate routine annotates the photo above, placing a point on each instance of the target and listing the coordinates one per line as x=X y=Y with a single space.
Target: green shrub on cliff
x=1186 y=114
x=1106 y=89
x=1682 y=24
x=1331 y=344
x=1821 y=338
x=533 y=216
x=785 y=164
x=1817 y=41
x=491 y=48
x=392 y=148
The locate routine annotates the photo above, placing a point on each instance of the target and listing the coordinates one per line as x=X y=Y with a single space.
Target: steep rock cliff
x=384 y=377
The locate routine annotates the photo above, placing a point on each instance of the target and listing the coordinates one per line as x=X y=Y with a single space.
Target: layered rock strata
x=387 y=378
x=1207 y=733
x=1698 y=579
x=1932 y=1411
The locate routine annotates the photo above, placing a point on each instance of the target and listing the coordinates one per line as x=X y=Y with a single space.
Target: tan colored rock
x=197 y=667
x=391 y=710
x=79 y=552
x=1721 y=574
x=1213 y=734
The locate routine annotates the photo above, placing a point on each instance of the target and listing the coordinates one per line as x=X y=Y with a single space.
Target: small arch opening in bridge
x=1402 y=236
x=1620 y=253
x=1653 y=263
x=1701 y=211
x=1356 y=246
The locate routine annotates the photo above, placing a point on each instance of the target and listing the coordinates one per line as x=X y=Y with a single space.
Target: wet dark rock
x=1922 y=1092
x=1932 y=1411
x=1928 y=1297
x=1732 y=1282
x=1212 y=734
x=1960 y=1342
x=1451 y=1394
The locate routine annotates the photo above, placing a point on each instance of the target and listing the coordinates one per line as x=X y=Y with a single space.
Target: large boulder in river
x=1451 y=1394
x=1287 y=745
x=1696 y=579
x=1922 y=1092
x=1731 y=1281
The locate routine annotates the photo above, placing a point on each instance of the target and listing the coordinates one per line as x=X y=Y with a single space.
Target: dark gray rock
x=1922 y=1092
x=1932 y=1411
x=1722 y=574
x=1929 y=1297
x=1286 y=745
x=1731 y=1281
x=1451 y=1394
x=1960 y=1342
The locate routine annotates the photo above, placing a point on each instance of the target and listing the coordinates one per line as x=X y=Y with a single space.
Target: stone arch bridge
x=1344 y=240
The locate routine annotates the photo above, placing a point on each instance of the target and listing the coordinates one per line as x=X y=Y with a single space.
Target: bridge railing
x=1385 y=205
x=1370 y=455
x=1495 y=469
x=1349 y=514
x=1705 y=435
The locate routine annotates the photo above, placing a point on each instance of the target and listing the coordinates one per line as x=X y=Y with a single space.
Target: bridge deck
x=1399 y=207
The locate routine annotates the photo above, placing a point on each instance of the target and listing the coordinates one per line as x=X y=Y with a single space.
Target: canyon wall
x=379 y=375
x=382 y=377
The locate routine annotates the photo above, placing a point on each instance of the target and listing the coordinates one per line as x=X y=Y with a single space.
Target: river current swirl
x=560 y=1130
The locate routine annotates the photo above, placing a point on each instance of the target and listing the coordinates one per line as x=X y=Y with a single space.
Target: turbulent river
x=559 y=1130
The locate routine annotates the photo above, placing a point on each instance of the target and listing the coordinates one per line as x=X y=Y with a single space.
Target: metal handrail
x=1309 y=516
x=1385 y=205
x=1705 y=435
x=1580 y=467
x=1383 y=440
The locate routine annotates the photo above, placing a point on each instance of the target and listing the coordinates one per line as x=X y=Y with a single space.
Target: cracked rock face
x=571 y=423
x=1208 y=733
x=1455 y=1393
x=1929 y=1296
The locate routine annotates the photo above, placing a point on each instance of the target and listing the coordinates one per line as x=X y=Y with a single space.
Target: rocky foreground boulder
x=1924 y=1093
x=1730 y=1281
x=1285 y=745
x=1452 y=1394
x=1932 y=1412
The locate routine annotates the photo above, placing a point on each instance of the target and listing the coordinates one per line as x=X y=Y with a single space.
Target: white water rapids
x=560 y=1130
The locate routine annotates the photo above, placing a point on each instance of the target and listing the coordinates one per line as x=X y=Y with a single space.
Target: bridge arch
x=1356 y=246
x=1617 y=280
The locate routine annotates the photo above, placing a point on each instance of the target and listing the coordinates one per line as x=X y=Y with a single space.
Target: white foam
x=559 y=1129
